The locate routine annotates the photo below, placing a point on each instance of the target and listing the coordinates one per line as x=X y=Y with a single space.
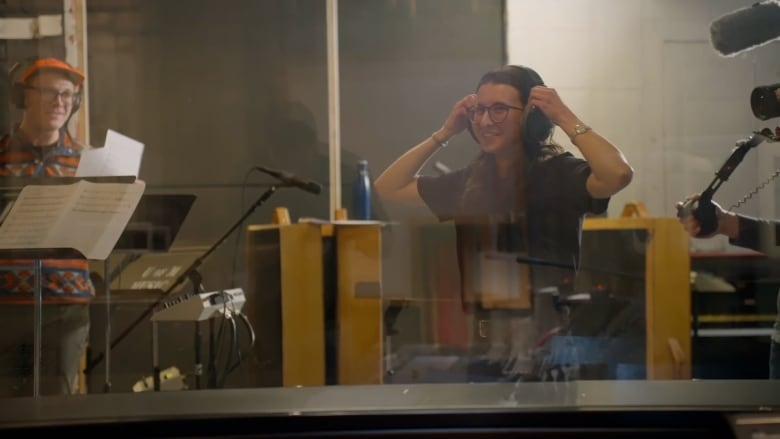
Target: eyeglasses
x=51 y=94
x=497 y=112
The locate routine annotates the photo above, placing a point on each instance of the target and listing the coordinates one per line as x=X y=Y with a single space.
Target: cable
x=239 y=232
x=227 y=317
x=235 y=356
x=219 y=333
x=233 y=348
x=239 y=354
x=234 y=345
x=252 y=339
x=750 y=194
x=251 y=330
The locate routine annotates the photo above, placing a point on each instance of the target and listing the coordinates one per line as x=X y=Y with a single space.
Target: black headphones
x=18 y=87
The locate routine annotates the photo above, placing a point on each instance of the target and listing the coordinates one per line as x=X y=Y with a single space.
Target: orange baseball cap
x=42 y=64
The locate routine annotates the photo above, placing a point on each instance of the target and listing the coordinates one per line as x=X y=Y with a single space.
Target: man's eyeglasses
x=497 y=112
x=51 y=94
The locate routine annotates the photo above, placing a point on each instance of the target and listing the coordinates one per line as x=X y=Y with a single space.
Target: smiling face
x=503 y=138
x=48 y=101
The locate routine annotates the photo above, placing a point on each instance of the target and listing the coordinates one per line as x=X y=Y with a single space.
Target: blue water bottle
x=361 y=193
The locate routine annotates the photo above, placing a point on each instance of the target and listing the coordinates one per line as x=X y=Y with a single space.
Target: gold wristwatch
x=580 y=128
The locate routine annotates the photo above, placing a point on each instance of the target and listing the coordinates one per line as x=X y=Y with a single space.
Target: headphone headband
x=22 y=71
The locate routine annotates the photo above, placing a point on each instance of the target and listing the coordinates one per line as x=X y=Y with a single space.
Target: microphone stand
x=563 y=305
x=192 y=274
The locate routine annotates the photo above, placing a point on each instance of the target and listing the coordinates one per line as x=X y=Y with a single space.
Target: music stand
x=82 y=203
x=153 y=227
x=156 y=222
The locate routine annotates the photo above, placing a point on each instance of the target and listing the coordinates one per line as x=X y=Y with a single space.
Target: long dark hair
x=537 y=142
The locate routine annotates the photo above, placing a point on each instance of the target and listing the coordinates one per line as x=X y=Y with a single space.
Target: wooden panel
x=285 y=302
x=671 y=301
x=359 y=304
x=75 y=24
x=74 y=20
x=303 y=318
x=667 y=293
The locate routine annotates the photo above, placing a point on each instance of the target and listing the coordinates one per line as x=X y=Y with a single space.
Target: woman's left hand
x=547 y=100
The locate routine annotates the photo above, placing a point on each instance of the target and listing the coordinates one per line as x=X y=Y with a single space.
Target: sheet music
x=86 y=216
x=40 y=216
x=121 y=155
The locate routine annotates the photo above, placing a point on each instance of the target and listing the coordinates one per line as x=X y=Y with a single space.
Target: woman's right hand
x=458 y=120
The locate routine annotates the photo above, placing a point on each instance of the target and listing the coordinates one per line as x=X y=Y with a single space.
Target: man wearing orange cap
x=49 y=92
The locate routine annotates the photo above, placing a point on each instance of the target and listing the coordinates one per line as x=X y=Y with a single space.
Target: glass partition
x=522 y=246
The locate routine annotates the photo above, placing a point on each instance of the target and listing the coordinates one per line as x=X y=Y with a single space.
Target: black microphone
x=765 y=101
x=289 y=179
x=746 y=28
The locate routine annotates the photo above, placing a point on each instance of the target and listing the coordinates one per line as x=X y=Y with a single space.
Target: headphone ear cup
x=537 y=126
x=17 y=95
x=76 y=103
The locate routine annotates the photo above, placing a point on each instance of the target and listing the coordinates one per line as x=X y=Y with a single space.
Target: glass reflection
x=576 y=275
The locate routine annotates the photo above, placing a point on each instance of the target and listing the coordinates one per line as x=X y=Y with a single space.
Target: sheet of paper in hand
x=121 y=155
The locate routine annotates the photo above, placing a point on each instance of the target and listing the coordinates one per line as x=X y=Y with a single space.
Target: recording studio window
x=303 y=209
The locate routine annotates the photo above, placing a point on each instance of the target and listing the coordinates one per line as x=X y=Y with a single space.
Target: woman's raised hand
x=458 y=119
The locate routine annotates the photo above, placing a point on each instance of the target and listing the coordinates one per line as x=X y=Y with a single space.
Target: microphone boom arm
x=703 y=209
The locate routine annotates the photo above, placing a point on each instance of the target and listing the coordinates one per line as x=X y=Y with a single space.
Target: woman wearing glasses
x=521 y=197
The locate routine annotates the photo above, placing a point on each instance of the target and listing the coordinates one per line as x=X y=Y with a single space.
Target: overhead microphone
x=765 y=101
x=746 y=28
x=291 y=180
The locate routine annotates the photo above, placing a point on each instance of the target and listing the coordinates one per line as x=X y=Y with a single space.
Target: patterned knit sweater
x=63 y=280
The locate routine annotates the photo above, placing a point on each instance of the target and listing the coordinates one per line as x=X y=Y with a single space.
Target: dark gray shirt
x=556 y=203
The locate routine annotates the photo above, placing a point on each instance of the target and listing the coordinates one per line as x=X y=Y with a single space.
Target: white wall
x=644 y=74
